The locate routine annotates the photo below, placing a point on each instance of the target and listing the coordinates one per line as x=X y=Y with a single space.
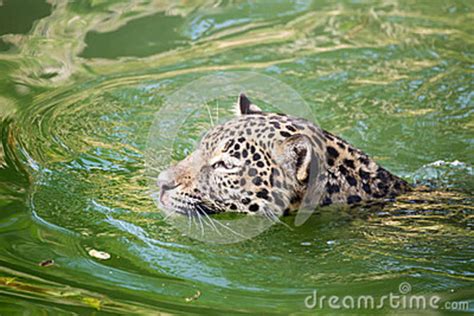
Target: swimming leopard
x=268 y=162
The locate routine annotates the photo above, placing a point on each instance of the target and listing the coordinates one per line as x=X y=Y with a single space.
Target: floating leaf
x=92 y=302
x=99 y=254
x=46 y=263
x=194 y=297
x=7 y=280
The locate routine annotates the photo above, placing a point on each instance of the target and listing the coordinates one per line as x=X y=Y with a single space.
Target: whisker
x=274 y=218
x=189 y=223
x=169 y=215
x=224 y=226
x=210 y=220
x=210 y=115
x=269 y=217
x=200 y=224
x=229 y=229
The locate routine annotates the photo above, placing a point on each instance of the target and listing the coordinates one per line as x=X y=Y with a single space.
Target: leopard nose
x=165 y=183
x=167 y=186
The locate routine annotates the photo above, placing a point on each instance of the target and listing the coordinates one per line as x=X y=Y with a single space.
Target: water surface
x=80 y=83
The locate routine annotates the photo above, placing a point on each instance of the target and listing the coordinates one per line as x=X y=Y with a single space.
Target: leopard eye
x=222 y=164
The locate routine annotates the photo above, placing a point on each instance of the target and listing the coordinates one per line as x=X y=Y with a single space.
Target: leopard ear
x=296 y=155
x=245 y=107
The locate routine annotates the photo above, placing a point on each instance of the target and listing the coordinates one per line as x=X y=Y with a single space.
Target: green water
x=80 y=83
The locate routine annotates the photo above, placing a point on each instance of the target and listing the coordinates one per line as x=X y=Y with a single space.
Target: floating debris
x=92 y=302
x=194 y=297
x=46 y=263
x=101 y=255
x=7 y=280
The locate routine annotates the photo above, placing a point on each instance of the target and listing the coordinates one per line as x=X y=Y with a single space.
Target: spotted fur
x=264 y=162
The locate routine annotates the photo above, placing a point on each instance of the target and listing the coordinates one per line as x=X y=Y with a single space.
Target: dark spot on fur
x=295 y=199
x=364 y=160
x=397 y=185
x=366 y=188
x=276 y=124
x=257 y=181
x=328 y=135
x=378 y=195
x=382 y=187
x=351 y=180
x=332 y=152
x=326 y=201
x=364 y=174
x=332 y=188
x=246 y=201
x=291 y=128
x=285 y=134
x=252 y=172
x=382 y=174
x=256 y=157
x=349 y=163
x=228 y=145
x=260 y=164
x=263 y=194
x=254 y=208
x=353 y=199
x=343 y=170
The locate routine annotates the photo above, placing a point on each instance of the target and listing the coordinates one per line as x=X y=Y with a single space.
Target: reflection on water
x=17 y=17
x=77 y=96
x=142 y=37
